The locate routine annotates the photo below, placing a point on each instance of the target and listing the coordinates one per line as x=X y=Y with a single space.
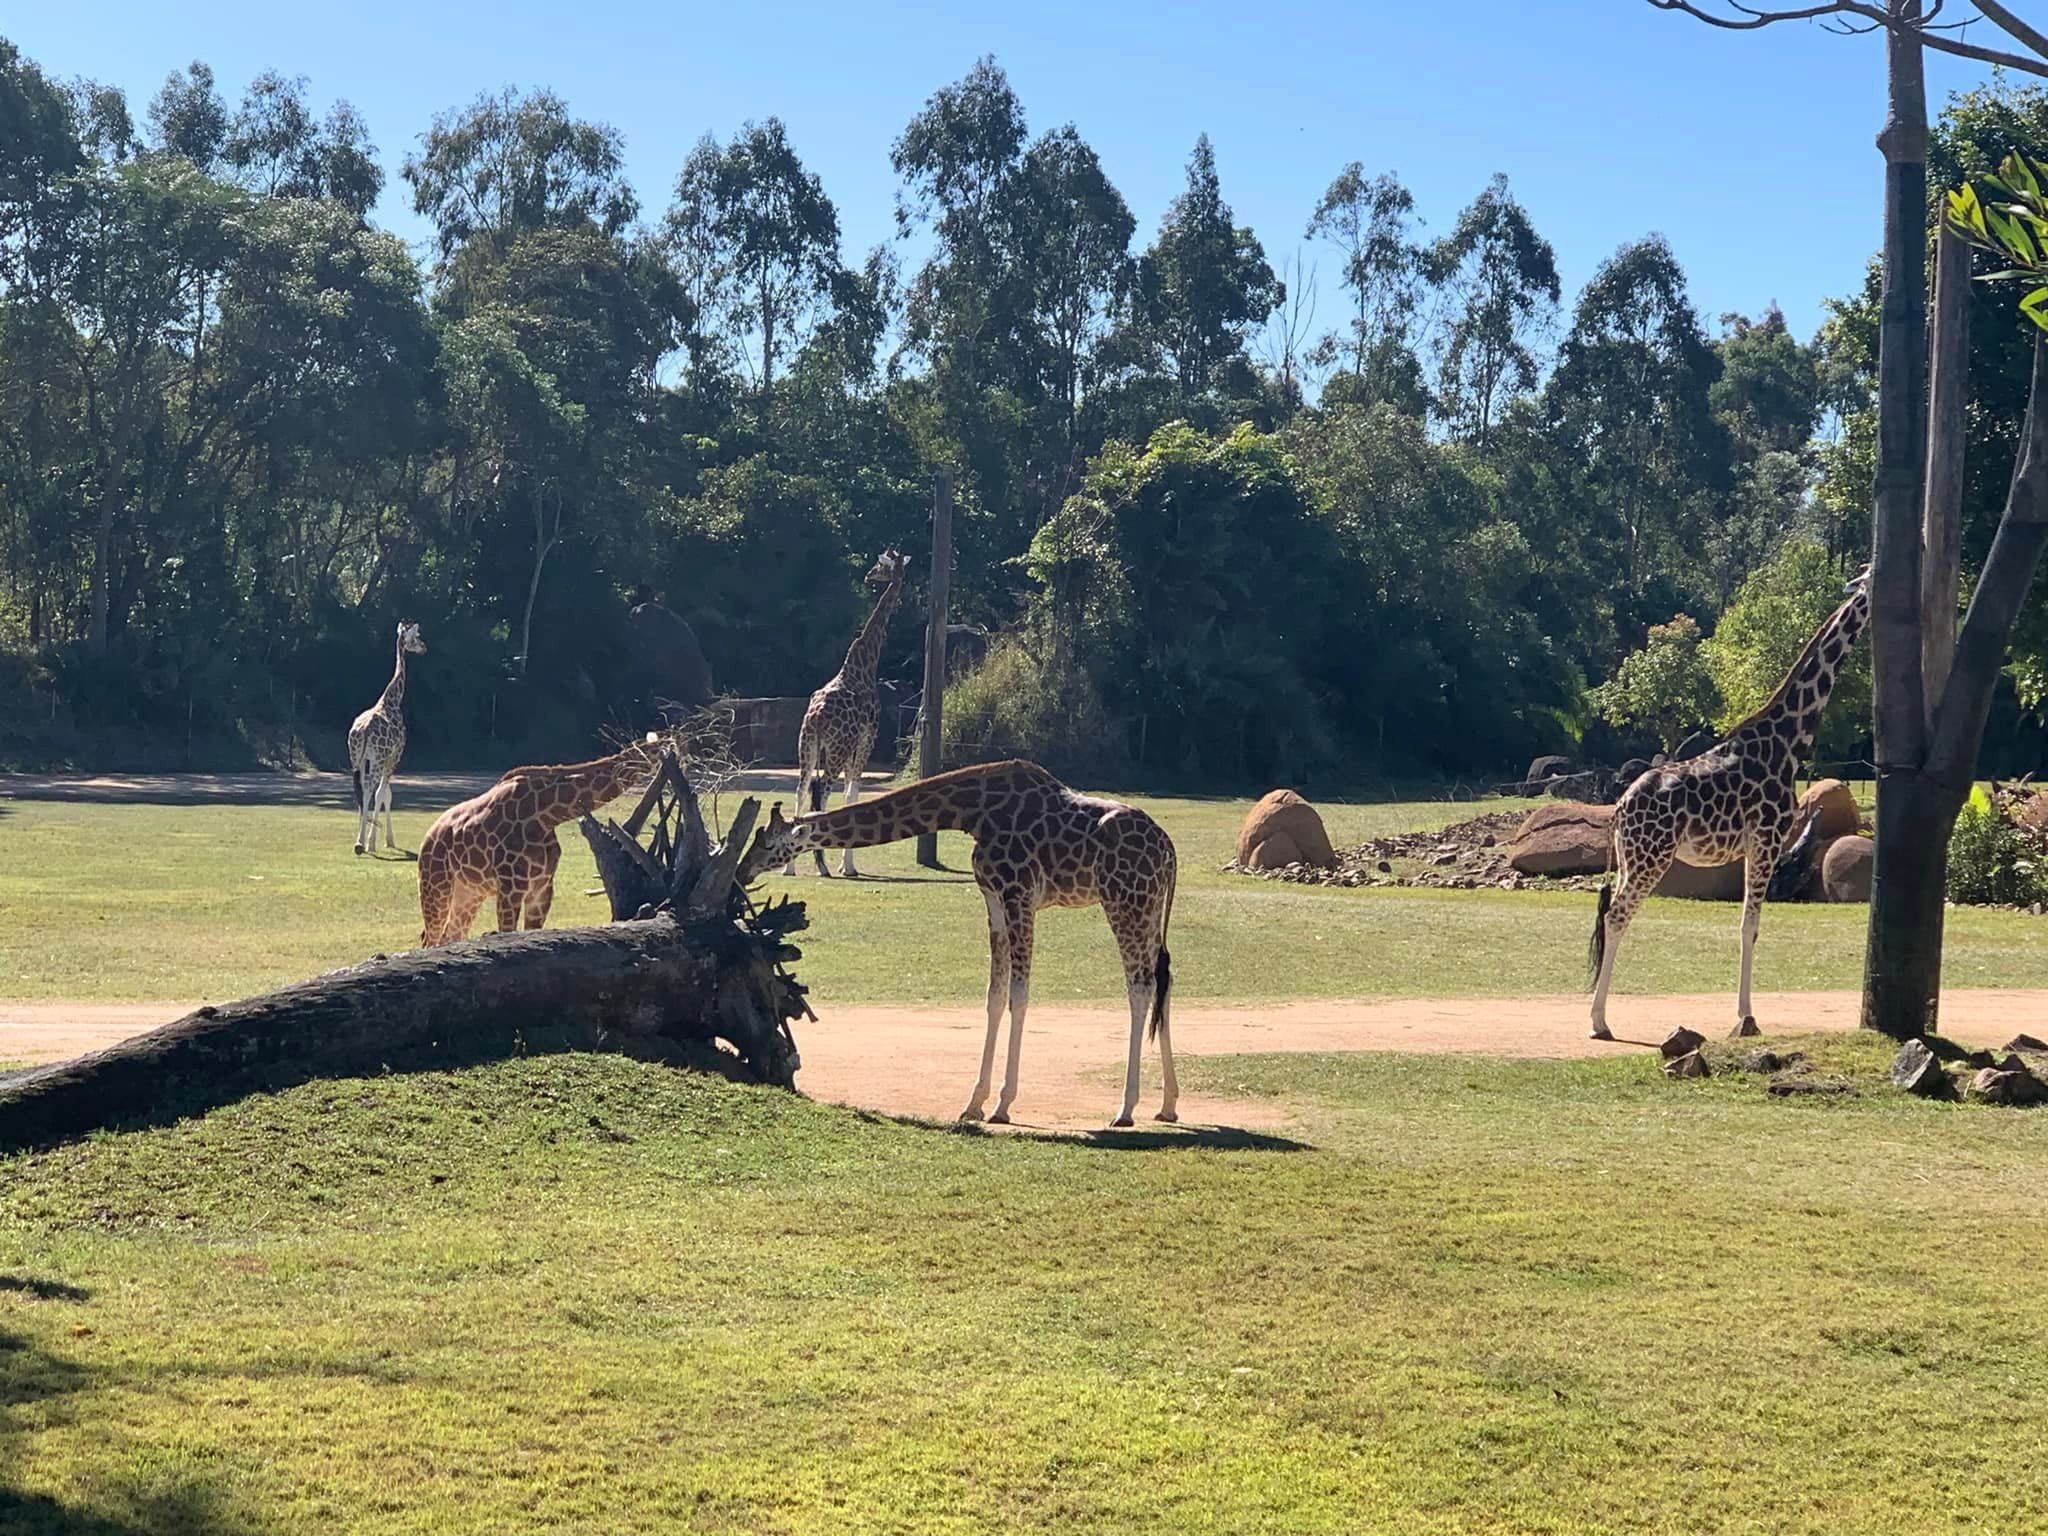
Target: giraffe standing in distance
x=502 y=843
x=838 y=731
x=376 y=742
x=1036 y=844
x=1734 y=800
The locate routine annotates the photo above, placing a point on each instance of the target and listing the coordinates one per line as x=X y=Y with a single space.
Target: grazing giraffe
x=1733 y=801
x=502 y=842
x=838 y=732
x=376 y=742
x=1036 y=844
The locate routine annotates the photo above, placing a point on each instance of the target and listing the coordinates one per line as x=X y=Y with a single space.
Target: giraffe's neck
x=394 y=691
x=555 y=795
x=1793 y=714
x=964 y=800
x=866 y=652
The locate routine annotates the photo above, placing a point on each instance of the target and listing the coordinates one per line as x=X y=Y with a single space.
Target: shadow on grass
x=1165 y=1138
x=418 y=791
x=191 y=1509
x=43 y=1290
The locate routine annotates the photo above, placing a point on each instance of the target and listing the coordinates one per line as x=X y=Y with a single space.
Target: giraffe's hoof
x=971 y=1112
x=999 y=1117
x=359 y=850
x=1745 y=1029
x=1168 y=1116
x=1601 y=1032
x=1120 y=1123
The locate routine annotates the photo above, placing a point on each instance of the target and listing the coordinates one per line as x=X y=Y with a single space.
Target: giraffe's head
x=1859 y=585
x=888 y=570
x=409 y=640
x=774 y=843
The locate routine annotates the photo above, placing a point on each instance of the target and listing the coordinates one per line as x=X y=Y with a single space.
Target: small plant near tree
x=1664 y=689
x=1991 y=862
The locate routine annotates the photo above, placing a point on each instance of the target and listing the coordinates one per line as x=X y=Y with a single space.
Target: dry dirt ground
x=921 y=1060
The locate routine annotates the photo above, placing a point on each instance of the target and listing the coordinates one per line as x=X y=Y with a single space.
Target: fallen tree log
x=698 y=978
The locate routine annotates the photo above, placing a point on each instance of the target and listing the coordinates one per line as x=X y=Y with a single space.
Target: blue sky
x=1752 y=153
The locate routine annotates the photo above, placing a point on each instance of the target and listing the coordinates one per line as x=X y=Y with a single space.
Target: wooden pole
x=931 y=711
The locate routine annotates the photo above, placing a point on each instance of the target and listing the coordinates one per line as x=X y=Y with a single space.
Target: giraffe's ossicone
x=838 y=732
x=1037 y=844
x=1733 y=801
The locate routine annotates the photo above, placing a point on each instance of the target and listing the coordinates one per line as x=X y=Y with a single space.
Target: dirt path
x=921 y=1060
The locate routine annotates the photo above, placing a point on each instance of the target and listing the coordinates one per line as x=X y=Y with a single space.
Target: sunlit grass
x=209 y=902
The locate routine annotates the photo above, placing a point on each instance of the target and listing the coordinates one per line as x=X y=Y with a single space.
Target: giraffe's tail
x=355 y=771
x=1162 y=976
x=1596 y=950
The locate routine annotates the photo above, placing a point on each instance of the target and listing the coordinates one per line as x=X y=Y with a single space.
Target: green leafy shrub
x=1663 y=689
x=1018 y=703
x=1762 y=633
x=1990 y=862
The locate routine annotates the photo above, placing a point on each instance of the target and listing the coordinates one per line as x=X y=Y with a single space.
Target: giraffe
x=502 y=842
x=1733 y=801
x=838 y=731
x=1036 y=844
x=375 y=743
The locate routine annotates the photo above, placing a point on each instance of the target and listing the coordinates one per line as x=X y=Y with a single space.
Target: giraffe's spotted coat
x=502 y=843
x=1037 y=844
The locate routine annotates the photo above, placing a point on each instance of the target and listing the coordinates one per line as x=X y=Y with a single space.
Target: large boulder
x=1294 y=829
x=1833 y=809
x=1845 y=869
x=1703 y=882
x=1565 y=837
x=1544 y=769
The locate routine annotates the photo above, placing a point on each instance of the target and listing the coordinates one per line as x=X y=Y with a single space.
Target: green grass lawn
x=215 y=902
x=1469 y=1296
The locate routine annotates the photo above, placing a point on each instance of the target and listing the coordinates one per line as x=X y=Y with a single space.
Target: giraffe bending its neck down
x=1733 y=801
x=502 y=843
x=1036 y=844
x=375 y=743
x=838 y=731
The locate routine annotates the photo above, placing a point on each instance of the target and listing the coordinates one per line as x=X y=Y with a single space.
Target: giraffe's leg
x=434 y=906
x=1137 y=938
x=538 y=901
x=998 y=994
x=802 y=802
x=510 y=899
x=384 y=799
x=1021 y=924
x=1641 y=869
x=469 y=901
x=1759 y=860
x=852 y=795
x=366 y=791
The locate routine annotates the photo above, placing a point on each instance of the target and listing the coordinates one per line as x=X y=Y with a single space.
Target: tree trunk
x=1902 y=968
x=657 y=985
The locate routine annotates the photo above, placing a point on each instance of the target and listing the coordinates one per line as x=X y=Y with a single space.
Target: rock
x=1701 y=882
x=1845 y=871
x=1384 y=867
x=2025 y=1043
x=1544 y=769
x=1744 y=1030
x=1563 y=838
x=1978 y=1060
x=1916 y=1070
x=1832 y=804
x=1762 y=1061
x=1276 y=851
x=1992 y=1086
x=1630 y=771
x=1787 y=1087
x=1681 y=1041
x=1691 y=1064
x=1284 y=813
x=2013 y=1063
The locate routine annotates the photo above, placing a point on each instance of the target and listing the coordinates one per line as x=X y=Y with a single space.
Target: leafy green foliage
x=1774 y=615
x=1990 y=862
x=1664 y=689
